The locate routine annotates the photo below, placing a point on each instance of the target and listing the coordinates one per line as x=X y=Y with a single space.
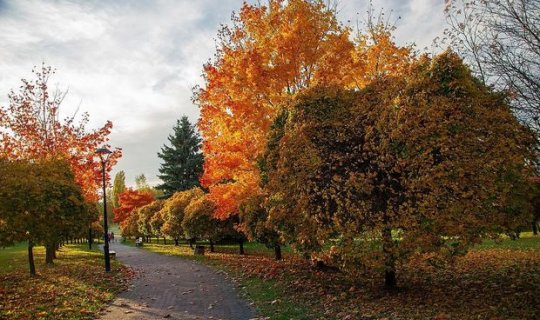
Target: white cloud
x=135 y=62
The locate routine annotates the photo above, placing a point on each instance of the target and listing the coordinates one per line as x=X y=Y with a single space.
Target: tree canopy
x=429 y=162
x=31 y=129
x=270 y=54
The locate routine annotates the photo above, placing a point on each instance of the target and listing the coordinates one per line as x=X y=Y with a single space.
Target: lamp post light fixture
x=104 y=155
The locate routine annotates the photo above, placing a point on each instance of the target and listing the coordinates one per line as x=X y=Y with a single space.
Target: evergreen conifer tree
x=182 y=161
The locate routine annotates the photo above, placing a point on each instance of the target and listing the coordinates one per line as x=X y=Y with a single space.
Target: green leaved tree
x=182 y=160
x=119 y=185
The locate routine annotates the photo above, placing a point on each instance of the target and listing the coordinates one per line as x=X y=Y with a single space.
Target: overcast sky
x=135 y=62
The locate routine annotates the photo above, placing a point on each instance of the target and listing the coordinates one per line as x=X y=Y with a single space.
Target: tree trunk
x=535 y=224
x=277 y=252
x=176 y=242
x=49 y=256
x=164 y=240
x=190 y=241
x=211 y=246
x=241 y=243
x=389 y=259
x=90 y=240
x=31 y=263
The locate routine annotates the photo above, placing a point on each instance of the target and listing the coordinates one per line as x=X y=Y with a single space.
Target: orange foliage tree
x=128 y=201
x=421 y=165
x=269 y=55
x=31 y=128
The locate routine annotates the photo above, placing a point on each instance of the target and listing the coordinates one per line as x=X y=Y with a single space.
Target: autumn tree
x=255 y=225
x=500 y=39
x=264 y=59
x=156 y=223
x=129 y=201
x=130 y=226
x=31 y=128
x=430 y=162
x=199 y=221
x=173 y=212
x=40 y=203
x=182 y=161
x=145 y=215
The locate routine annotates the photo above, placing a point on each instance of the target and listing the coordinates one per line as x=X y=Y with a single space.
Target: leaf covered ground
x=75 y=287
x=493 y=281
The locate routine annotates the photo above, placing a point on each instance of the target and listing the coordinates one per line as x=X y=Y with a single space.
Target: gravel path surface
x=168 y=287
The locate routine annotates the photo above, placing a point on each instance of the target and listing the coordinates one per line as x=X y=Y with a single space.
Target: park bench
x=112 y=254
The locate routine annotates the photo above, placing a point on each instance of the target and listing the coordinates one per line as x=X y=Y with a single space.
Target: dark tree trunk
x=31 y=263
x=536 y=215
x=49 y=253
x=389 y=259
x=164 y=240
x=390 y=281
x=176 y=242
x=536 y=218
x=211 y=246
x=90 y=239
x=241 y=243
x=277 y=252
x=190 y=241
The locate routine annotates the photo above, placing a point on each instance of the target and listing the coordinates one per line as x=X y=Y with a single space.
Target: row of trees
x=352 y=148
x=348 y=147
x=186 y=214
x=49 y=172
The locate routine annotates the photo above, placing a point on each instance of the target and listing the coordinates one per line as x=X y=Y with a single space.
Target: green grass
x=74 y=287
x=14 y=257
x=526 y=241
x=270 y=302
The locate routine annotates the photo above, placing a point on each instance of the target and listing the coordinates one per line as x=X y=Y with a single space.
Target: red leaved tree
x=31 y=129
x=128 y=202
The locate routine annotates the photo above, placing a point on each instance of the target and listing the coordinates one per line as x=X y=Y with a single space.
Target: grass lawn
x=75 y=287
x=495 y=280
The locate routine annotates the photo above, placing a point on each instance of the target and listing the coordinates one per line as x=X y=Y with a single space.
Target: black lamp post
x=104 y=154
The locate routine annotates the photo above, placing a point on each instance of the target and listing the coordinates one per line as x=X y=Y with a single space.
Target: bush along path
x=172 y=288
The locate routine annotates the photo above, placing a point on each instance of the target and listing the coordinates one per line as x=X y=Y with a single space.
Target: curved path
x=167 y=287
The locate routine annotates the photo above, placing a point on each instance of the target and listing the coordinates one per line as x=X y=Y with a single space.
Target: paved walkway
x=167 y=287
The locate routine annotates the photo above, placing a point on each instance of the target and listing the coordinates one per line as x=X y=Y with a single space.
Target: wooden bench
x=112 y=254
